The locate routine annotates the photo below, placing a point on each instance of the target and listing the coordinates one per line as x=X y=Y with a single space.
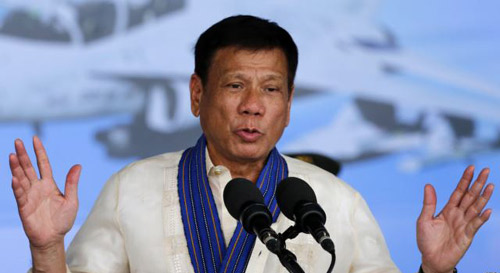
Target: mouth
x=249 y=134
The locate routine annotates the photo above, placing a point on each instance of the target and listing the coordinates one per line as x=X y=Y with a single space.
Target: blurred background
x=402 y=93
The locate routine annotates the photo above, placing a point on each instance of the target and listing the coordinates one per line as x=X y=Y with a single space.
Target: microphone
x=245 y=203
x=297 y=201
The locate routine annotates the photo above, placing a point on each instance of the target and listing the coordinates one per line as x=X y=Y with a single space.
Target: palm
x=47 y=215
x=444 y=239
x=451 y=239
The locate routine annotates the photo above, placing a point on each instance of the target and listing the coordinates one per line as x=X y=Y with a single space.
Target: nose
x=251 y=103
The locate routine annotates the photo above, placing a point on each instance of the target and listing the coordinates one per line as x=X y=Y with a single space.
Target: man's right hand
x=46 y=214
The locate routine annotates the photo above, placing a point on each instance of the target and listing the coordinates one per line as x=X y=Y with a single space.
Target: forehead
x=236 y=61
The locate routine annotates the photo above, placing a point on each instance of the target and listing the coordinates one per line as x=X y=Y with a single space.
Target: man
x=165 y=214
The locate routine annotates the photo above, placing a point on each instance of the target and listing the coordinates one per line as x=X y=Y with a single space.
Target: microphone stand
x=289 y=261
x=286 y=257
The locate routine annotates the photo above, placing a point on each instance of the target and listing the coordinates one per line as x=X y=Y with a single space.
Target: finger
x=25 y=161
x=18 y=172
x=475 y=190
x=474 y=210
x=42 y=159
x=474 y=226
x=462 y=187
x=429 y=206
x=19 y=192
x=71 y=186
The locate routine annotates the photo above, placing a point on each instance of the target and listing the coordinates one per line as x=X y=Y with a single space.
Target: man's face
x=245 y=104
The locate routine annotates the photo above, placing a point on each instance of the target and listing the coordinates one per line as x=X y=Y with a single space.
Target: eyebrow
x=240 y=75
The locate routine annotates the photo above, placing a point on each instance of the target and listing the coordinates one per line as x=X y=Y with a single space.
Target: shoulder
x=141 y=185
x=149 y=171
x=150 y=165
x=301 y=169
x=162 y=161
x=325 y=184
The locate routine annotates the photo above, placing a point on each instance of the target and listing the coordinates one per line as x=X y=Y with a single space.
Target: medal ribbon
x=201 y=222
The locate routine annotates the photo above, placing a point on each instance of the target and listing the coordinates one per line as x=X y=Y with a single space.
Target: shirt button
x=218 y=171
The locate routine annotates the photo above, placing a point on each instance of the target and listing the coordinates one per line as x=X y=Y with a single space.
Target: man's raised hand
x=46 y=214
x=444 y=239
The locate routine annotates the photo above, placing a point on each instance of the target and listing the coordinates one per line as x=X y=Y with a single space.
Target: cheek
x=280 y=119
x=281 y=111
x=219 y=114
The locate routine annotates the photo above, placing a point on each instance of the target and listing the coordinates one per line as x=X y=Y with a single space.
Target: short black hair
x=245 y=32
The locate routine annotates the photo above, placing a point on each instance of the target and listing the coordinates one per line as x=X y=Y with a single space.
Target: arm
x=46 y=213
x=99 y=245
x=443 y=239
x=372 y=254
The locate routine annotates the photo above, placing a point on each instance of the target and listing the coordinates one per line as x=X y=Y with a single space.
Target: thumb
x=429 y=206
x=71 y=186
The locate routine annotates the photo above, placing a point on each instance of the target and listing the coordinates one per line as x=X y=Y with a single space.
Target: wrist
x=425 y=269
x=49 y=258
x=47 y=247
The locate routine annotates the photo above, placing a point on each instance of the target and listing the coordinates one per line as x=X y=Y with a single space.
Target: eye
x=272 y=89
x=235 y=85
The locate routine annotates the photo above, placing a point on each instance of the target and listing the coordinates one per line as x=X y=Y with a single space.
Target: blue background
x=459 y=35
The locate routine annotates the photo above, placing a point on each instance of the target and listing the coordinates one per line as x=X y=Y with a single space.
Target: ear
x=196 y=91
x=289 y=104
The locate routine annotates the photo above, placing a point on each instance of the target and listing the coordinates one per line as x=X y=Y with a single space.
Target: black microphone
x=245 y=203
x=297 y=201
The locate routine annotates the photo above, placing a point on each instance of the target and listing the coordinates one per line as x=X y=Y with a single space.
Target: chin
x=251 y=154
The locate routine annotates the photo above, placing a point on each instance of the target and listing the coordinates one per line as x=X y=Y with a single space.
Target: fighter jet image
x=105 y=57
x=53 y=54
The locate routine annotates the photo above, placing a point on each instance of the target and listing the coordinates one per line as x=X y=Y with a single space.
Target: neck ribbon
x=201 y=222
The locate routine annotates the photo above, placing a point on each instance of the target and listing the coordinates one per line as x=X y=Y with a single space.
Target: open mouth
x=249 y=134
x=248 y=130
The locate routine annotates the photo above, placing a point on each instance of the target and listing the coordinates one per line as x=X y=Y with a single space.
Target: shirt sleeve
x=371 y=253
x=99 y=245
x=67 y=270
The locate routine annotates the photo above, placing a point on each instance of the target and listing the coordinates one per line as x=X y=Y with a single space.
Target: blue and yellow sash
x=202 y=228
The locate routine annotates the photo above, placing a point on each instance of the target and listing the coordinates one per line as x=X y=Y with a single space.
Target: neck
x=246 y=169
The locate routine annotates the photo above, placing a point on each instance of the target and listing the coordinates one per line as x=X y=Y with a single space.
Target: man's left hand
x=444 y=239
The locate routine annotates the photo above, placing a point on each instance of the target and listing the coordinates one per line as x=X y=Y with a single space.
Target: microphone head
x=291 y=192
x=238 y=193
